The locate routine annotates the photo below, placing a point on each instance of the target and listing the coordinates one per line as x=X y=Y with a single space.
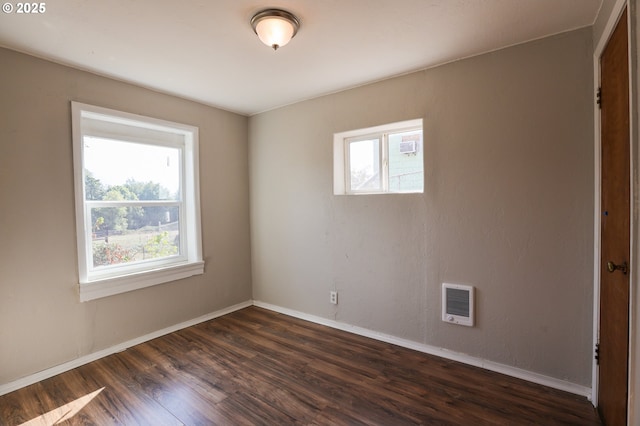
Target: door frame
x=633 y=381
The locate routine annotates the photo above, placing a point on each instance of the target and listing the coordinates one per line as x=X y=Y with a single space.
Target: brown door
x=614 y=276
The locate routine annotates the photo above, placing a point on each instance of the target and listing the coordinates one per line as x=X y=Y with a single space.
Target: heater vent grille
x=457 y=304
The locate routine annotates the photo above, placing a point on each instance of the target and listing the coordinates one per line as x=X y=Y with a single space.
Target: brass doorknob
x=612 y=267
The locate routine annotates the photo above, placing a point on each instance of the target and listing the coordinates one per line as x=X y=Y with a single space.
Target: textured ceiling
x=206 y=50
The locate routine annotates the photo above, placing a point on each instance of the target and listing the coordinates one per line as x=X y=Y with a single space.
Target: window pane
x=122 y=235
x=117 y=170
x=405 y=162
x=364 y=165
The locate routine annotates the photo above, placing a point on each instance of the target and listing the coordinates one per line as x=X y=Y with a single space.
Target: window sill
x=381 y=192
x=108 y=287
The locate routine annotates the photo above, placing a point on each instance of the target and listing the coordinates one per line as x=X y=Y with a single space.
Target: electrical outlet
x=333 y=297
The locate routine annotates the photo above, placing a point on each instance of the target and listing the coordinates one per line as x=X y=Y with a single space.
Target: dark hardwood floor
x=255 y=367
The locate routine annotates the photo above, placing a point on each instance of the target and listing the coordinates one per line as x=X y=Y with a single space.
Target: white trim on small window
x=371 y=160
x=167 y=222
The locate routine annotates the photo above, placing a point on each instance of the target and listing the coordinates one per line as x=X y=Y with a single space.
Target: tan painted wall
x=508 y=208
x=42 y=322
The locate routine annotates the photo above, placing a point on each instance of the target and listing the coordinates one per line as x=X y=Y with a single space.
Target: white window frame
x=341 y=160
x=90 y=120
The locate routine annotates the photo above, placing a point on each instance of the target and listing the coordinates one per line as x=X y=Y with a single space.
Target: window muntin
x=382 y=159
x=137 y=202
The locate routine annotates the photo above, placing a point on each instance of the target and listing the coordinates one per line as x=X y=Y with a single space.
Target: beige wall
x=508 y=208
x=42 y=322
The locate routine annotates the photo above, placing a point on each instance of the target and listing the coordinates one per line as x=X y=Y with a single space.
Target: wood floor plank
x=15 y=407
x=257 y=367
x=126 y=402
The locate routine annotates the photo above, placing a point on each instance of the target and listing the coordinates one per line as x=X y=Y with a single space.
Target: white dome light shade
x=275 y=27
x=274 y=32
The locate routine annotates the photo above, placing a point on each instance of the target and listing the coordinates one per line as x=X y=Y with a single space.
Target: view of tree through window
x=132 y=191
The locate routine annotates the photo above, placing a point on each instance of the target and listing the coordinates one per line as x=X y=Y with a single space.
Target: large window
x=137 y=201
x=379 y=159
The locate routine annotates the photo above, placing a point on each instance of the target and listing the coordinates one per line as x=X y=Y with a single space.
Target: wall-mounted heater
x=457 y=304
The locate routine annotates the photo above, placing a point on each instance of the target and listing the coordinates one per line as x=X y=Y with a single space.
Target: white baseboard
x=434 y=350
x=70 y=365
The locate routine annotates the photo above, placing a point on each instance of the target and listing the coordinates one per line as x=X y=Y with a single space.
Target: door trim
x=599 y=48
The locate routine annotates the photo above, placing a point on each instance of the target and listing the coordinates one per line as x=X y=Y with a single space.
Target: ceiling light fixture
x=275 y=27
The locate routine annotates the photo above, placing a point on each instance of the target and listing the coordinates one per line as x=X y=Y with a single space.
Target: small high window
x=137 y=201
x=382 y=159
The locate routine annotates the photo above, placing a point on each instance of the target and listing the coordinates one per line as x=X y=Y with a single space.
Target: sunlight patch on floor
x=64 y=412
